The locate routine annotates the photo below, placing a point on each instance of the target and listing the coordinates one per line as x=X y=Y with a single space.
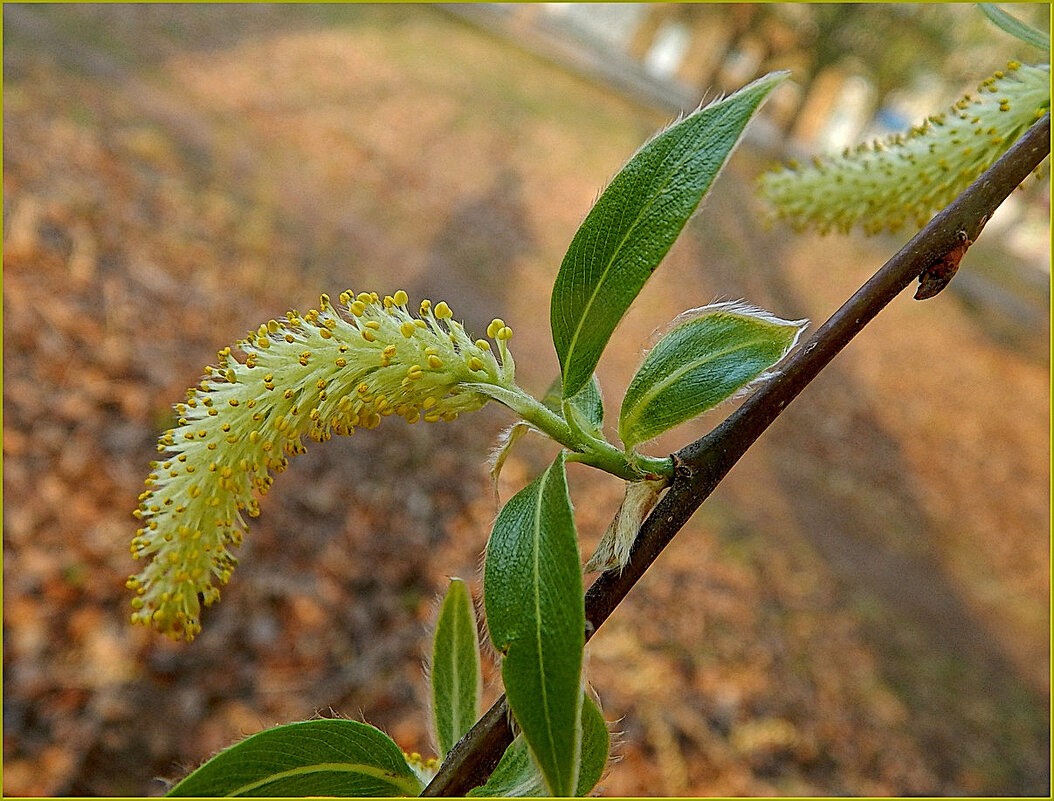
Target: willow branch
x=701 y=465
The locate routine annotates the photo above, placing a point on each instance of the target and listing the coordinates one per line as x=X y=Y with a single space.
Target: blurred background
x=861 y=609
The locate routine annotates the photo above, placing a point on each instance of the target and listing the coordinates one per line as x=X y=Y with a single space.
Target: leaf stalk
x=583 y=448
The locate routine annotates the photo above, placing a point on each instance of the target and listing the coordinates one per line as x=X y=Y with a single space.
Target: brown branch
x=701 y=465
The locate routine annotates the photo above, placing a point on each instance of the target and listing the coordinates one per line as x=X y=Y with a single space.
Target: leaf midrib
x=455 y=683
x=408 y=784
x=536 y=585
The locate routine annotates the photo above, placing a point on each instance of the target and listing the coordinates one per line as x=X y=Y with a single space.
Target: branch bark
x=701 y=465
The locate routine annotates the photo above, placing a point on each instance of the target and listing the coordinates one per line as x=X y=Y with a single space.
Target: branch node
x=682 y=469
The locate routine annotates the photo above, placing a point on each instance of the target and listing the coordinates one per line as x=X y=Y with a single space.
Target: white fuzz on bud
x=614 y=548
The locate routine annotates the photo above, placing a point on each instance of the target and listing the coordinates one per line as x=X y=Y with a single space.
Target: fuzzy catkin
x=908 y=177
x=327 y=372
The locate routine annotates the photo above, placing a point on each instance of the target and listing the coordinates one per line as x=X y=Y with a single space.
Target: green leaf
x=516 y=776
x=634 y=223
x=587 y=407
x=588 y=403
x=595 y=745
x=1015 y=27
x=532 y=591
x=704 y=359
x=456 y=676
x=314 y=757
x=553 y=398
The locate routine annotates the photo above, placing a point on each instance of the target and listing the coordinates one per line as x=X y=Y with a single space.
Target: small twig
x=701 y=465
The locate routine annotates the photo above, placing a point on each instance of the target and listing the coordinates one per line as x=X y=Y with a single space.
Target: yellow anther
x=400 y=298
x=420 y=323
x=407 y=329
x=341 y=362
x=325 y=333
x=368 y=335
x=435 y=362
x=372 y=324
x=358 y=308
x=273 y=326
x=475 y=363
x=505 y=334
x=415 y=372
x=366 y=298
x=363 y=388
x=495 y=326
x=442 y=311
x=482 y=344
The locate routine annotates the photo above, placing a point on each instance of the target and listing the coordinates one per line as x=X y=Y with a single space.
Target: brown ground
x=862 y=608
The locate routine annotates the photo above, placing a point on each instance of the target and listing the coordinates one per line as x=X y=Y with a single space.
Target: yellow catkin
x=329 y=371
x=908 y=177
